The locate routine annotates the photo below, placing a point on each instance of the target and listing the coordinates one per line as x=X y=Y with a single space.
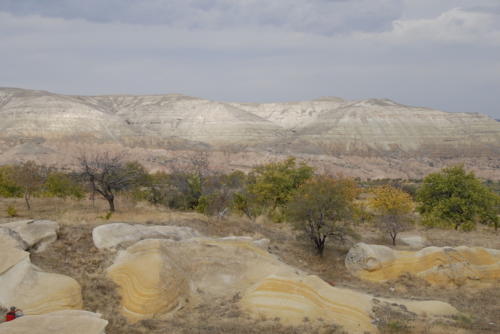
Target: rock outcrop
x=35 y=235
x=26 y=286
x=115 y=234
x=156 y=277
x=442 y=266
x=61 y=322
x=295 y=298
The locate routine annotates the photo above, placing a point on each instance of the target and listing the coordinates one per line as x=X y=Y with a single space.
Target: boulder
x=26 y=286
x=122 y=234
x=61 y=322
x=156 y=276
x=442 y=266
x=35 y=234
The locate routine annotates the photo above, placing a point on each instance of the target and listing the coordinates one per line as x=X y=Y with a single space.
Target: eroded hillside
x=368 y=138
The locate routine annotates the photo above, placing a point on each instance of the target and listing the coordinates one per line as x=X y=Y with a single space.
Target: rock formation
x=29 y=288
x=367 y=138
x=116 y=234
x=34 y=235
x=294 y=298
x=61 y=322
x=442 y=266
x=158 y=276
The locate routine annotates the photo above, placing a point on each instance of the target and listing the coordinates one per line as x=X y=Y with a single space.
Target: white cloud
x=455 y=25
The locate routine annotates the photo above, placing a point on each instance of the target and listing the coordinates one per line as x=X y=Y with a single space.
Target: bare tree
x=108 y=173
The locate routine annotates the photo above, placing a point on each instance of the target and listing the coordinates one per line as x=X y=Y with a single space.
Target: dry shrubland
x=74 y=254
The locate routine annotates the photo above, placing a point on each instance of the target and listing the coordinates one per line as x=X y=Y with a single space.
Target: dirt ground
x=74 y=254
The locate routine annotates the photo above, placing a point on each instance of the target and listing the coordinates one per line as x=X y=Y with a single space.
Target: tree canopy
x=273 y=185
x=319 y=205
x=393 y=207
x=455 y=197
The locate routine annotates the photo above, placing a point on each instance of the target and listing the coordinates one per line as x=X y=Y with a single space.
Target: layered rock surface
x=295 y=298
x=156 y=277
x=29 y=288
x=61 y=322
x=442 y=266
x=37 y=124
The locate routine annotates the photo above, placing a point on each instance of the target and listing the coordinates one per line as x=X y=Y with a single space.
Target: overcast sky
x=443 y=54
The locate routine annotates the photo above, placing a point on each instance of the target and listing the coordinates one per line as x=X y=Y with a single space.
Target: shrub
x=11 y=211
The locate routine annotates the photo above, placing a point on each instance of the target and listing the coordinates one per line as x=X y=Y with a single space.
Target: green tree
x=454 y=197
x=62 y=185
x=273 y=185
x=393 y=208
x=320 y=208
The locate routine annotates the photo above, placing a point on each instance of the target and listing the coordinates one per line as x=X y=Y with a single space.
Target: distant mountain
x=39 y=121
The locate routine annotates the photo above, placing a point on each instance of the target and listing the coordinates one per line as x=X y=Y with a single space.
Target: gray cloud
x=317 y=16
x=258 y=50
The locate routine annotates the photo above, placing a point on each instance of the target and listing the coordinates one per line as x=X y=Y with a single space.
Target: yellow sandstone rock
x=444 y=266
x=294 y=298
x=157 y=276
x=151 y=283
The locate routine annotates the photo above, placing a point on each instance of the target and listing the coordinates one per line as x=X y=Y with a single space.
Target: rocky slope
x=35 y=123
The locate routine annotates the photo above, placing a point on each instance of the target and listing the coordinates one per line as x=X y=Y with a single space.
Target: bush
x=11 y=211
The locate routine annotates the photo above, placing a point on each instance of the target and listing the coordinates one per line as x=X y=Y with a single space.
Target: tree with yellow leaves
x=393 y=208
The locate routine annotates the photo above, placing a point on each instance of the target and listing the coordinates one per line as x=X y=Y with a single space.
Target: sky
x=443 y=54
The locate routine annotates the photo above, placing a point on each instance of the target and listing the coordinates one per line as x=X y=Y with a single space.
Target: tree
x=108 y=173
x=454 y=197
x=29 y=176
x=320 y=206
x=393 y=207
x=62 y=185
x=273 y=185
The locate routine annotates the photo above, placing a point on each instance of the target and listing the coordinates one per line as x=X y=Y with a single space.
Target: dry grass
x=73 y=254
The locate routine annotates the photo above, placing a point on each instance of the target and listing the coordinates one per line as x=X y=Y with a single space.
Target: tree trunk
x=320 y=246
x=393 y=236
x=111 y=202
x=27 y=200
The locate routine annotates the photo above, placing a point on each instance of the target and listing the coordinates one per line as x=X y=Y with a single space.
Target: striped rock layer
x=293 y=299
x=442 y=266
